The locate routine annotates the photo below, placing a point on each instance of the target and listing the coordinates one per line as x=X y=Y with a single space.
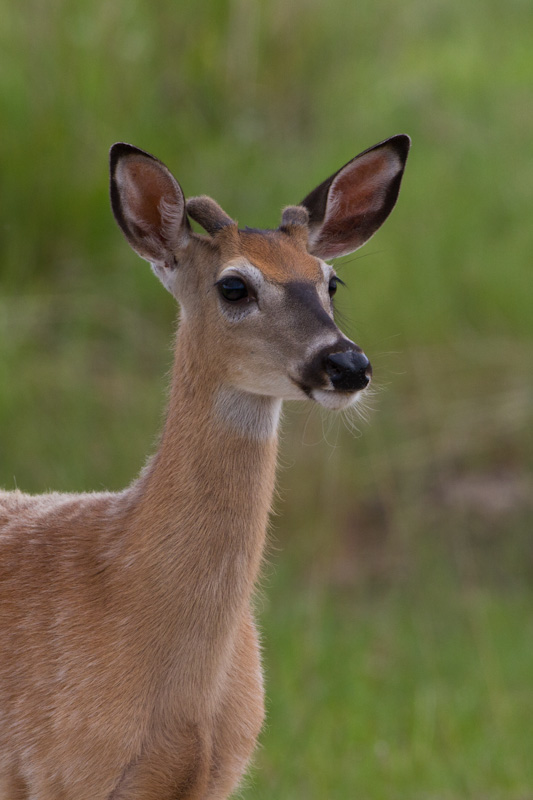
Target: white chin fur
x=334 y=400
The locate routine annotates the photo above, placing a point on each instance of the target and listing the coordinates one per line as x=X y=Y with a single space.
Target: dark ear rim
x=118 y=151
x=316 y=201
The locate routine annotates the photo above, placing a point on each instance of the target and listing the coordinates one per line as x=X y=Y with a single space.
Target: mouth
x=334 y=399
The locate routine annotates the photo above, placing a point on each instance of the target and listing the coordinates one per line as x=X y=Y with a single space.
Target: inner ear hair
x=207 y=213
x=148 y=204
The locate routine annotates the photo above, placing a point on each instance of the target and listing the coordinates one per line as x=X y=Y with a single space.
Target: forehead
x=279 y=257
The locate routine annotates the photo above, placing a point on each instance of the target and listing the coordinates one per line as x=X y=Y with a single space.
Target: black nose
x=348 y=371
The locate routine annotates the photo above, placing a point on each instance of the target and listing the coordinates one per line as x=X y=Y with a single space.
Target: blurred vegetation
x=397 y=602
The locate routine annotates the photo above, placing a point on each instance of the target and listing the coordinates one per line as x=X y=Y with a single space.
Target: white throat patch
x=249 y=415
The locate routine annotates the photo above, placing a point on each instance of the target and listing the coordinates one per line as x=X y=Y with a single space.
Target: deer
x=129 y=655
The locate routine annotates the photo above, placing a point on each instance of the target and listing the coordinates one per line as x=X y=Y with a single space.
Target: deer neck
x=203 y=502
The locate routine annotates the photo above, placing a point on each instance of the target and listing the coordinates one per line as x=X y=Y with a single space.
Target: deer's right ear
x=149 y=207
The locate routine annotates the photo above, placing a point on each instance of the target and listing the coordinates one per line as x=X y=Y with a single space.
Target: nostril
x=364 y=378
x=335 y=365
x=348 y=371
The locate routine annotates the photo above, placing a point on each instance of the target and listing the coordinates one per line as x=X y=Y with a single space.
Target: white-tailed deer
x=129 y=664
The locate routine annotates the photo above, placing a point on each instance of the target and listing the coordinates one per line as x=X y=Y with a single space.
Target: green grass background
x=397 y=600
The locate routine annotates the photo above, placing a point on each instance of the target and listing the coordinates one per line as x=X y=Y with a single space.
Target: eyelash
x=333 y=285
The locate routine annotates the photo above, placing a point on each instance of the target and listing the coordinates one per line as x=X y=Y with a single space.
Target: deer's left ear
x=349 y=207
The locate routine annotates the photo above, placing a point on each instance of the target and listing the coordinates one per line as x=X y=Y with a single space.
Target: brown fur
x=129 y=658
x=83 y=709
x=280 y=258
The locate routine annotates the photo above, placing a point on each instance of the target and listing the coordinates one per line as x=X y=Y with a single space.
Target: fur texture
x=129 y=658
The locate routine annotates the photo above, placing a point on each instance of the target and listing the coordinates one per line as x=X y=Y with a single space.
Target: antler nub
x=208 y=214
x=294 y=215
x=294 y=222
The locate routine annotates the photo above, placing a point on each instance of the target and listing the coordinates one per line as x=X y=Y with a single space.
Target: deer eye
x=332 y=288
x=334 y=284
x=233 y=289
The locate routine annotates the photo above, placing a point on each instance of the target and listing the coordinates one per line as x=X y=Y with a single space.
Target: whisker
x=359 y=257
